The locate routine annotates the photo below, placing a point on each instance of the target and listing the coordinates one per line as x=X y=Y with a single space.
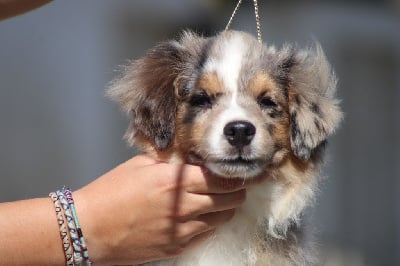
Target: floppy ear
x=146 y=90
x=314 y=111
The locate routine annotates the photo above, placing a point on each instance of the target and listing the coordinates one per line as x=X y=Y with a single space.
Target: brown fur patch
x=262 y=83
x=148 y=145
x=287 y=94
x=189 y=137
x=210 y=83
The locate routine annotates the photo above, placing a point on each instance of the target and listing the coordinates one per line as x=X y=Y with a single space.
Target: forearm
x=10 y=8
x=29 y=233
x=129 y=215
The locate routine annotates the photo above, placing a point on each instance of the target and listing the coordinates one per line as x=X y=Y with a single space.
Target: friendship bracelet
x=68 y=252
x=76 y=243
x=68 y=194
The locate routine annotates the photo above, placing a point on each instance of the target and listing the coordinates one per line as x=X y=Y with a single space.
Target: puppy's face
x=229 y=103
x=233 y=128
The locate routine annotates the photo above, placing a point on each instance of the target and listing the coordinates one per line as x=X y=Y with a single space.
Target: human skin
x=142 y=210
x=10 y=8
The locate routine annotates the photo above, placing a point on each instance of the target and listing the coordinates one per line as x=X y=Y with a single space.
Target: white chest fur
x=234 y=243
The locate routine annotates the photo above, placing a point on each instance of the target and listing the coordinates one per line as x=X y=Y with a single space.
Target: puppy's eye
x=200 y=100
x=266 y=102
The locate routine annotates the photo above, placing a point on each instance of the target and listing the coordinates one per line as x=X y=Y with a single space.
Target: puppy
x=241 y=109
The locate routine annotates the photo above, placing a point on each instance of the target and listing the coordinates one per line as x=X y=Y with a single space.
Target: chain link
x=233 y=15
x=258 y=24
x=257 y=21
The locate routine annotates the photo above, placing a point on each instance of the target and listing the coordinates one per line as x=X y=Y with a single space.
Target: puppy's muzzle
x=239 y=133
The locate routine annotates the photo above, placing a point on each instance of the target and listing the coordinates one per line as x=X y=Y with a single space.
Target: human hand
x=146 y=210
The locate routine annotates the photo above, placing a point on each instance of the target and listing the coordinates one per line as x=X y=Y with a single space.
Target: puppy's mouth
x=234 y=167
x=237 y=167
x=237 y=161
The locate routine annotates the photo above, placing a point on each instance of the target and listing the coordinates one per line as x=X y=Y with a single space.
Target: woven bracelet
x=68 y=194
x=68 y=252
x=76 y=243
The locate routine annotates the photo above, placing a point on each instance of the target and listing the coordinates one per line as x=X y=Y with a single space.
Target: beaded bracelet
x=68 y=194
x=76 y=243
x=68 y=252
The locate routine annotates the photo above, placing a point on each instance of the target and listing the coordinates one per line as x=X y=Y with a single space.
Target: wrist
x=88 y=212
x=70 y=228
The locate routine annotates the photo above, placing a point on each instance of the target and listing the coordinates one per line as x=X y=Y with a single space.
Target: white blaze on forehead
x=228 y=69
x=227 y=66
x=228 y=63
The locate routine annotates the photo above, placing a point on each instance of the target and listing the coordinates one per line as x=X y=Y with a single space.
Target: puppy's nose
x=239 y=133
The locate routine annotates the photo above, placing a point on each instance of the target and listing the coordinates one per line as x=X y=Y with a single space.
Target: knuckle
x=183 y=232
x=195 y=184
x=207 y=204
x=198 y=227
x=166 y=182
x=184 y=212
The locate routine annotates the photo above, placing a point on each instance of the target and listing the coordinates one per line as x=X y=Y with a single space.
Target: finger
x=214 y=184
x=210 y=183
x=198 y=239
x=142 y=160
x=204 y=223
x=196 y=179
x=197 y=204
x=199 y=180
x=221 y=202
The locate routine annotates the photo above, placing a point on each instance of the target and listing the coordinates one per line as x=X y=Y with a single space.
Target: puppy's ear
x=314 y=111
x=146 y=90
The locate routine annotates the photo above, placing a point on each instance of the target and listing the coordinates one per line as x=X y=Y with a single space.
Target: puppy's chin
x=238 y=168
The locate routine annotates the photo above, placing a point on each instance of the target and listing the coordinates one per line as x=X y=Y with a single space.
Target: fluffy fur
x=241 y=109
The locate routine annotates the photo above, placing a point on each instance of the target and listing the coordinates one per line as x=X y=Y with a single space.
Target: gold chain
x=258 y=24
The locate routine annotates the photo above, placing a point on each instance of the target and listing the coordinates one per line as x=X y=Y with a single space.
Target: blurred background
x=57 y=127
